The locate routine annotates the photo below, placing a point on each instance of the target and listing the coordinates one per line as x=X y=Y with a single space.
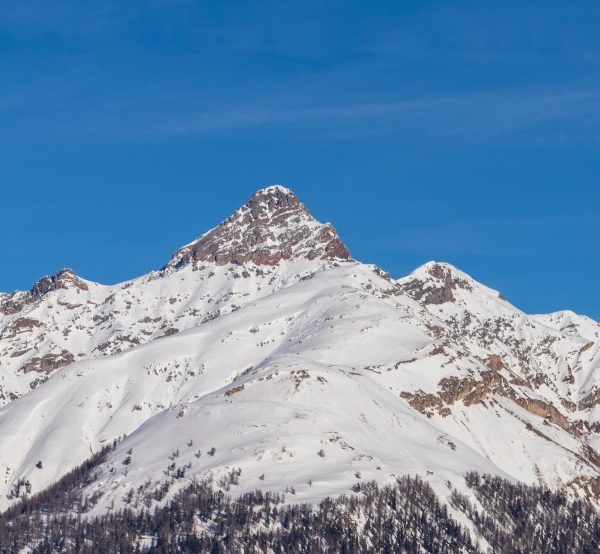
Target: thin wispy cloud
x=471 y=116
x=530 y=116
x=258 y=70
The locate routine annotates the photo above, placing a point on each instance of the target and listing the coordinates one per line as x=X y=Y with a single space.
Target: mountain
x=267 y=244
x=272 y=226
x=263 y=356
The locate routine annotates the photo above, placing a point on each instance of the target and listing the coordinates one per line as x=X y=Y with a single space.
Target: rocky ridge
x=272 y=226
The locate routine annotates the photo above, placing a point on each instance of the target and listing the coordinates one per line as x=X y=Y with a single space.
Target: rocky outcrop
x=586 y=347
x=49 y=362
x=549 y=412
x=426 y=403
x=495 y=362
x=590 y=400
x=453 y=389
x=472 y=391
x=64 y=279
x=272 y=226
x=437 y=290
x=20 y=325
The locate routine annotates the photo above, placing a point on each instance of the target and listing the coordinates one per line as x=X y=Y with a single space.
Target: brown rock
x=440 y=290
x=64 y=279
x=272 y=226
x=49 y=362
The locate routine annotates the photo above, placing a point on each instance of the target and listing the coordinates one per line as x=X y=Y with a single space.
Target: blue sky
x=457 y=131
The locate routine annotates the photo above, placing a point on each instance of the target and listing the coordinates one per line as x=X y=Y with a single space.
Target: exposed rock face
x=544 y=409
x=272 y=226
x=437 y=290
x=20 y=325
x=65 y=278
x=49 y=362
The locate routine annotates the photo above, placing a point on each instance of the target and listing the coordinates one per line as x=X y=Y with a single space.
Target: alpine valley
x=262 y=356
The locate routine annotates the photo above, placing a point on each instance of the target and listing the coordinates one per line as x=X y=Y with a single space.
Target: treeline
x=519 y=518
x=405 y=516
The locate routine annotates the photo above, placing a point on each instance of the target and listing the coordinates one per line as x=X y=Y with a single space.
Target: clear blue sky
x=466 y=132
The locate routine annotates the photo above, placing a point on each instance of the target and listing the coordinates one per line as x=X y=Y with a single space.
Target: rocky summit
x=272 y=226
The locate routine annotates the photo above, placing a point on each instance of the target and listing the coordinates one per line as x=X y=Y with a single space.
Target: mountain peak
x=65 y=278
x=273 y=225
x=273 y=190
x=433 y=283
x=276 y=203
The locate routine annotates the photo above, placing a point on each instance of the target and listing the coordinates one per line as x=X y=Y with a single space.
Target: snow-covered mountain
x=264 y=355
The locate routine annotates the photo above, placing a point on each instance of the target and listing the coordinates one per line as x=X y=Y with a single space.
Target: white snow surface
x=307 y=375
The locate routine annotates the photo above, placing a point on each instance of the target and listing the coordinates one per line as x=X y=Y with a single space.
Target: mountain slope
x=308 y=371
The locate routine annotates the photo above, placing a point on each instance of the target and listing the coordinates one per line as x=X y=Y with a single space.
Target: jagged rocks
x=472 y=391
x=495 y=362
x=20 y=325
x=49 y=362
x=64 y=279
x=454 y=389
x=426 y=403
x=549 y=412
x=272 y=226
x=437 y=290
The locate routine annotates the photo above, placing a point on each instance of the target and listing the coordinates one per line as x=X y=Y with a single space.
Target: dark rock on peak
x=272 y=226
x=437 y=287
x=65 y=278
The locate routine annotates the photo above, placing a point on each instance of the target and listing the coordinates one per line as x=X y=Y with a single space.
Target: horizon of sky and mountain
x=423 y=131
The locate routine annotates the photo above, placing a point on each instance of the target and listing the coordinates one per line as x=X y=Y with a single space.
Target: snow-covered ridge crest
x=439 y=283
x=272 y=226
x=66 y=278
